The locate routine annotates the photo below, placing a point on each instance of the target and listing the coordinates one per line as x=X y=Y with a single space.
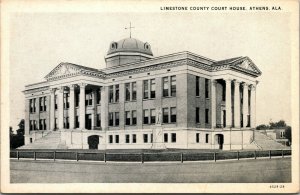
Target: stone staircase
x=49 y=141
x=264 y=142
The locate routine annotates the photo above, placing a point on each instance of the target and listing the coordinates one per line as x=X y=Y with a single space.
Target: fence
x=147 y=157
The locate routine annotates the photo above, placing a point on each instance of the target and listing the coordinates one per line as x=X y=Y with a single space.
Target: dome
x=130 y=45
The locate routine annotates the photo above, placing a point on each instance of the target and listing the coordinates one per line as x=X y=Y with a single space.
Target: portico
x=232 y=105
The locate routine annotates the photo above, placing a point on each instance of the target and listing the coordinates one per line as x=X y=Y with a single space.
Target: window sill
x=113 y=102
x=128 y=101
x=169 y=96
x=145 y=99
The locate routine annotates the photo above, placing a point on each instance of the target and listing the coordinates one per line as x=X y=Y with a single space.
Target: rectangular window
x=134 y=117
x=145 y=138
x=197 y=86
x=77 y=122
x=111 y=118
x=152 y=88
x=165 y=115
x=44 y=103
x=34 y=105
x=165 y=137
x=206 y=138
x=35 y=125
x=146 y=116
x=41 y=124
x=117 y=119
x=117 y=139
x=66 y=100
x=117 y=93
x=98 y=120
x=127 y=138
x=146 y=89
x=133 y=91
x=223 y=93
x=41 y=104
x=152 y=116
x=55 y=123
x=173 y=115
x=55 y=103
x=45 y=125
x=133 y=138
x=197 y=115
x=173 y=137
x=197 y=137
x=206 y=115
x=76 y=99
x=67 y=123
x=173 y=86
x=127 y=91
x=31 y=125
x=110 y=139
x=206 y=88
x=111 y=94
x=151 y=137
x=127 y=115
x=165 y=87
x=30 y=106
x=98 y=97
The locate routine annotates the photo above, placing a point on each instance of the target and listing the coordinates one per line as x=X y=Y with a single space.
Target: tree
x=17 y=140
x=288 y=133
x=262 y=127
x=278 y=125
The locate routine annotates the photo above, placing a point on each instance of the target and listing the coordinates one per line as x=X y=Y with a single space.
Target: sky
x=40 y=41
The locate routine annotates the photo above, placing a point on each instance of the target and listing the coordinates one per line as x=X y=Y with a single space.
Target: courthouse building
x=180 y=100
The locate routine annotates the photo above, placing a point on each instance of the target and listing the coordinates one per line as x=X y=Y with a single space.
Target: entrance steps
x=49 y=141
x=264 y=142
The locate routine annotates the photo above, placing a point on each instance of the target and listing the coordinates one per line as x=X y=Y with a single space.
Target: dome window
x=146 y=46
x=114 y=46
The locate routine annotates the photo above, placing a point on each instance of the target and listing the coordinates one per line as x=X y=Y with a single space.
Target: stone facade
x=204 y=104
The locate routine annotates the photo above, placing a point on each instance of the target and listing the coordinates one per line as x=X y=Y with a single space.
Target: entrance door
x=93 y=141
x=88 y=121
x=220 y=140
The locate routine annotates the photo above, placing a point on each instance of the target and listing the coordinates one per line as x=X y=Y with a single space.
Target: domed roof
x=130 y=45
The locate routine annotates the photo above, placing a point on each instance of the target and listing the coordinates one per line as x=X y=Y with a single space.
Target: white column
x=94 y=113
x=61 y=108
x=253 y=106
x=213 y=103
x=237 y=105
x=72 y=107
x=82 y=106
x=52 y=109
x=104 y=108
x=228 y=103
x=245 y=104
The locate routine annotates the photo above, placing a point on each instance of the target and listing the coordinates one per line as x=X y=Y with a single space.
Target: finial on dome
x=130 y=27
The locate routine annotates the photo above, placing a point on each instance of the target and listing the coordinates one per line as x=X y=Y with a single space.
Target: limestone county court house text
x=180 y=100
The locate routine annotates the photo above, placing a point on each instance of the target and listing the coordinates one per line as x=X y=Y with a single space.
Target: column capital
x=228 y=80
x=245 y=84
x=72 y=87
x=82 y=85
x=214 y=81
x=61 y=89
x=52 y=90
x=252 y=87
x=235 y=81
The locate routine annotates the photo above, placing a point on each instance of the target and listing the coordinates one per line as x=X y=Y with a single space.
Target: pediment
x=63 y=70
x=246 y=64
